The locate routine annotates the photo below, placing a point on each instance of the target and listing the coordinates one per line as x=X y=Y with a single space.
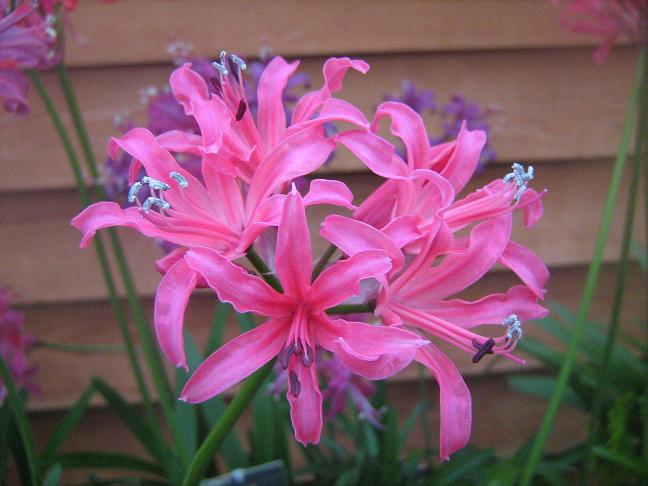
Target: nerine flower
x=26 y=42
x=415 y=211
x=14 y=343
x=236 y=198
x=297 y=321
x=608 y=19
x=403 y=243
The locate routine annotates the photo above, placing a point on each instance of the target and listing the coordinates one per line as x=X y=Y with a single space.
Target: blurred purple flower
x=458 y=110
x=14 y=343
x=420 y=101
x=452 y=114
x=27 y=41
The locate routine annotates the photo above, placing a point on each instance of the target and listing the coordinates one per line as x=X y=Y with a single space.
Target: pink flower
x=14 y=343
x=224 y=212
x=26 y=42
x=416 y=210
x=420 y=193
x=297 y=322
x=608 y=19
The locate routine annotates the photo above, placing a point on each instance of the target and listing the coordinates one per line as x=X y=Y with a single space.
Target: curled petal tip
x=183 y=398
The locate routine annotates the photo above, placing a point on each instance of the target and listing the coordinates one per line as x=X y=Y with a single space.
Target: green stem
x=324 y=259
x=220 y=430
x=619 y=293
x=18 y=408
x=263 y=269
x=590 y=281
x=106 y=272
x=425 y=421
x=151 y=353
x=351 y=309
x=82 y=348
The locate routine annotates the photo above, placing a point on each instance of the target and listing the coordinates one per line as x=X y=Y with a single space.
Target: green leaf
x=246 y=321
x=19 y=414
x=109 y=460
x=186 y=413
x=639 y=254
x=139 y=427
x=217 y=329
x=414 y=415
x=630 y=463
x=66 y=425
x=543 y=386
x=390 y=463
x=53 y=475
x=232 y=451
x=462 y=464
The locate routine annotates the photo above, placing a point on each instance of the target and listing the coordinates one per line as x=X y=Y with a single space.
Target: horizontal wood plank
x=92 y=323
x=40 y=258
x=138 y=31
x=549 y=106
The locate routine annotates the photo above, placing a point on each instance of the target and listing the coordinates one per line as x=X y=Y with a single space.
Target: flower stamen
x=520 y=177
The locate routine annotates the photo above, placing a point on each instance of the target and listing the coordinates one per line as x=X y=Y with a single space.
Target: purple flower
x=420 y=101
x=458 y=110
x=452 y=114
x=14 y=343
x=26 y=42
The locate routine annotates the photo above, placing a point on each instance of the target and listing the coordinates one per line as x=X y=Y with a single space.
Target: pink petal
x=236 y=360
x=171 y=301
x=306 y=407
x=403 y=230
x=334 y=71
x=366 y=341
x=334 y=110
x=380 y=368
x=295 y=156
x=187 y=85
x=326 y=191
x=247 y=293
x=533 y=207
x=492 y=309
x=461 y=269
x=353 y=236
x=526 y=265
x=106 y=214
x=407 y=125
x=179 y=141
x=461 y=162
x=375 y=152
x=455 y=401
x=377 y=209
x=294 y=254
x=342 y=279
x=271 y=115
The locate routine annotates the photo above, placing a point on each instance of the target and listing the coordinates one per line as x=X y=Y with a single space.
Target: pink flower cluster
x=14 y=343
x=407 y=251
x=608 y=19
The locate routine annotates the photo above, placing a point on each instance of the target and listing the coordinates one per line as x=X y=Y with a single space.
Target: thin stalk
x=263 y=269
x=619 y=293
x=425 y=420
x=18 y=408
x=219 y=432
x=82 y=347
x=324 y=259
x=106 y=272
x=351 y=309
x=151 y=353
x=590 y=281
